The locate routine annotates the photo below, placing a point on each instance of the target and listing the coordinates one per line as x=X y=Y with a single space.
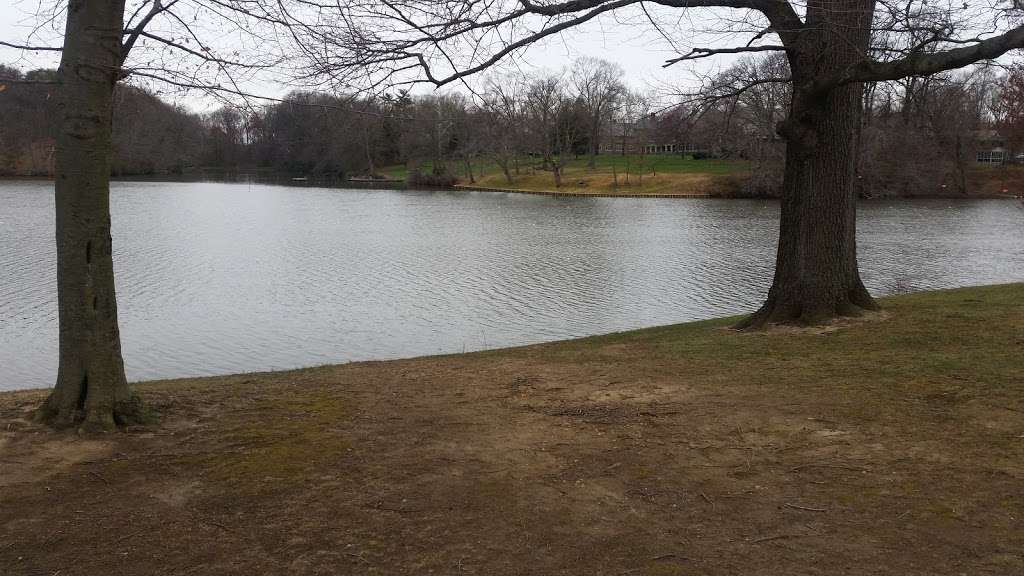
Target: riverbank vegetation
x=882 y=443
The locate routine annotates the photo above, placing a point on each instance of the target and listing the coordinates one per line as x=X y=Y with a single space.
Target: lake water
x=217 y=278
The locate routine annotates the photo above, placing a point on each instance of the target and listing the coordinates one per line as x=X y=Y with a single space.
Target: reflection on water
x=218 y=278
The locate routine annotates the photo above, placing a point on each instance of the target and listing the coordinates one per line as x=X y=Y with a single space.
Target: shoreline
x=725 y=321
x=291 y=183
x=690 y=194
x=473 y=187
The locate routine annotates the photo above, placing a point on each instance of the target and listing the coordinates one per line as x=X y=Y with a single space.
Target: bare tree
x=433 y=134
x=541 y=103
x=502 y=117
x=166 y=40
x=1008 y=107
x=738 y=112
x=636 y=129
x=599 y=87
x=830 y=54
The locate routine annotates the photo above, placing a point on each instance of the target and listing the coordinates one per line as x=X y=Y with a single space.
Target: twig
x=707 y=499
x=825 y=420
x=33 y=48
x=91 y=473
x=666 y=556
x=807 y=508
x=776 y=537
x=127 y=536
x=358 y=556
x=218 y=525
x=828 y=465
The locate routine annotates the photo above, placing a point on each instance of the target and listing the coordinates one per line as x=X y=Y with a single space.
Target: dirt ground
x=891 y=446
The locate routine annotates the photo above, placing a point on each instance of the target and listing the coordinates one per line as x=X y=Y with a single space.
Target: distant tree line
x=304 y=133
x=150 y=136
x=917 y=135
x=550 y=116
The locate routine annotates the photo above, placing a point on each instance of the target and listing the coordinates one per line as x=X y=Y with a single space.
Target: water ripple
x=219 y=278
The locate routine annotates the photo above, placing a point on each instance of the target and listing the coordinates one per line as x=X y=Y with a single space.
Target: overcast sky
x=624 y=37
x=639 y=49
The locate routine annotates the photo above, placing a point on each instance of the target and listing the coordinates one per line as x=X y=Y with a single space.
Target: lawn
x=612 y=174
x=892 y=444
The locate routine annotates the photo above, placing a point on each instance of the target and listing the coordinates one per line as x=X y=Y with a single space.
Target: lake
x=217 y=278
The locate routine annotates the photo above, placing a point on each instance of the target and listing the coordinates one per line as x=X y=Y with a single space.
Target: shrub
x=440 y=176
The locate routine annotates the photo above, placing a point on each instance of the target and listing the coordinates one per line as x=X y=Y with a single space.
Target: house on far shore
x=644 y=136
x=992 y=148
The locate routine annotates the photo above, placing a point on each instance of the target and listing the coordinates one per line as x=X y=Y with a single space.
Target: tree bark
x=816 y=273
x=91 y=390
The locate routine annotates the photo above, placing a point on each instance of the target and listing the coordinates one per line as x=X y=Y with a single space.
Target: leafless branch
x=698 y=53
x=31 y=48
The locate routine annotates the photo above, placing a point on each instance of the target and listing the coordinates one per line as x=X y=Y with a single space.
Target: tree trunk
x=592 y=146
x=816 y=274
x=961 y=163
x=371 y=168
x=91 y=390
x=502 y=163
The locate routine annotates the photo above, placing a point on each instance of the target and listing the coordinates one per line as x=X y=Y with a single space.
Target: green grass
x=396 y=171
x=968 y=340
x=668 y=163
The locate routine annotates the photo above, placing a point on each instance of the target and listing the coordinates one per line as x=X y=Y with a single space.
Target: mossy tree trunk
x=91 y=390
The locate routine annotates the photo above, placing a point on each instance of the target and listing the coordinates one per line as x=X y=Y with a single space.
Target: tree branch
x=698 y=53
x=216 y=89
x=133 y=35
x=206 y=57
x=925 y=64
x=33 y=48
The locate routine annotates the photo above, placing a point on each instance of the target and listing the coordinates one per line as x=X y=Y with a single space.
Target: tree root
x=791 y=312
x=92 y=419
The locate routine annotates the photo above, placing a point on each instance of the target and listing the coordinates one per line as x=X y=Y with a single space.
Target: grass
x=997 y=180
x=891 y=444
x=612 y=174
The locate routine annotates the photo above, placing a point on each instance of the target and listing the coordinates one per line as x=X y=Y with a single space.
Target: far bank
x=674 y=177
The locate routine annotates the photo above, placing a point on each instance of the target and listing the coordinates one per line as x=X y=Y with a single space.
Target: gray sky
x=625 y=37
x=639 y=49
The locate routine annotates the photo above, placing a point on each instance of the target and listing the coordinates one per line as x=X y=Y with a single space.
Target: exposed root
x=788 y=312
x=90 y=419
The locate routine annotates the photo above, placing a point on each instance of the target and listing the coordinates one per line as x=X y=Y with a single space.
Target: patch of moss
x=280 y=440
